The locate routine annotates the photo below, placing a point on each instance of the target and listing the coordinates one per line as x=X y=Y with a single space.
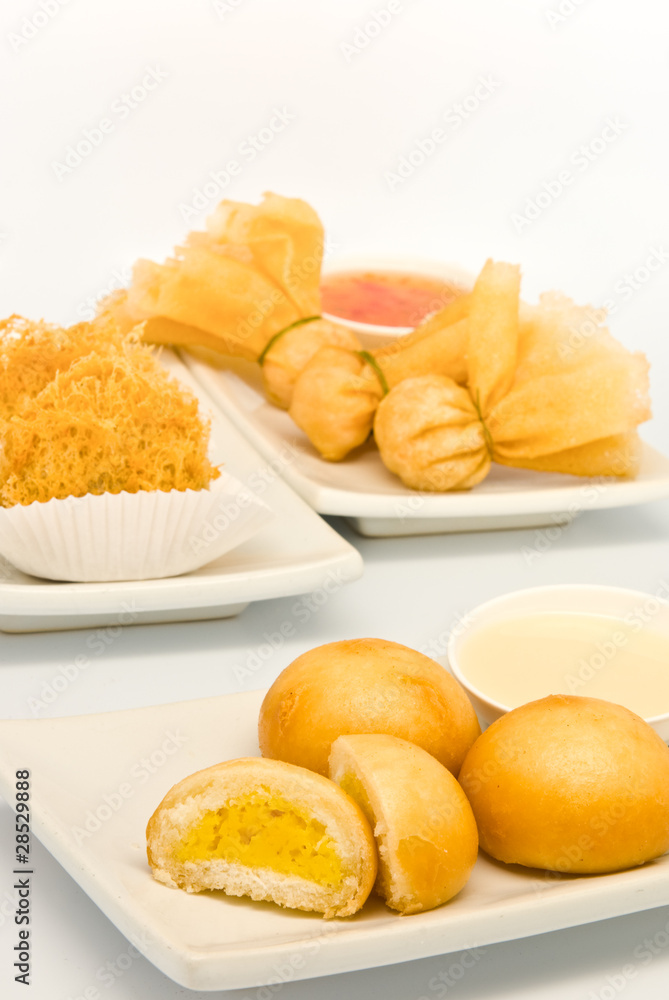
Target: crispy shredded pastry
x=90 y=410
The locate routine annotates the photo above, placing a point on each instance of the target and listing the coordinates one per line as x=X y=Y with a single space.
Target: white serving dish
x=612 y=602
x=295 y=553
x=130 y=536
x=92 y=794
x=373 y=334
x=361 y=489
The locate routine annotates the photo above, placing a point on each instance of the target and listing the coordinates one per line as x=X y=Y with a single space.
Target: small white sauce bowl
x=614 y=602
x=372 y=335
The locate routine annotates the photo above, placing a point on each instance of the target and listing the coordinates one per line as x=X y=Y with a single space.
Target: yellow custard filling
x=265 y=831
x=353 y=786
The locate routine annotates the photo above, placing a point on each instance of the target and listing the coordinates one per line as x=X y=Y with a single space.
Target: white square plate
x=96 y=780
x=295 y=553
x=376 y=503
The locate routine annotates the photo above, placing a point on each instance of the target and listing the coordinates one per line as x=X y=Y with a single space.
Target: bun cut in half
x=424 y=826
x=268 y=830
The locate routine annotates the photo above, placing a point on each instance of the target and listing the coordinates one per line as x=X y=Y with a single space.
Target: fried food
x=336 y=395
x=286 y=357
x=493 y=331
x=424 y=826
x=365 y=686
x=549 y=388
x=571 y=408
x=334 y=401
x=438 y=346
x=570 y=784
x=535 y=401
x=254 y=272
x=428 y=434
x=90 y=410
x=32 y=353
x=268 y=830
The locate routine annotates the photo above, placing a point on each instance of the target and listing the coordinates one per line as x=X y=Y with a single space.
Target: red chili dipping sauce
x=386 y=298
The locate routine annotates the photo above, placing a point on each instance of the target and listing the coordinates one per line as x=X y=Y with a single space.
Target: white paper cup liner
x=130 y=536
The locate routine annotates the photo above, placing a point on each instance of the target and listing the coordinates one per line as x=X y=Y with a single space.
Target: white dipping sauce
x=516 y=660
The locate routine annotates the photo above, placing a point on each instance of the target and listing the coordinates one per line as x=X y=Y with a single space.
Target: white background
x=553 y=81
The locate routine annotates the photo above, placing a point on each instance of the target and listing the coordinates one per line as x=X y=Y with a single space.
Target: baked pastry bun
x=365 y=686
x=570 y=784
x=268 y=830
x=424 y=826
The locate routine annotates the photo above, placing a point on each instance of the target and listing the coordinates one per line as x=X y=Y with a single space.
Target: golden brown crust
x=365 y=686
x=570 y=784
x=294 y=350
x=619 y=455
x=423 y=823
x=429 y=434
x=334 y=400
x=253 y=272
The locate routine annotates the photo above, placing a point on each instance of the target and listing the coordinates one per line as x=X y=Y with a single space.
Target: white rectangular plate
x=361 y=489
x=97 y=779
x=294 y=554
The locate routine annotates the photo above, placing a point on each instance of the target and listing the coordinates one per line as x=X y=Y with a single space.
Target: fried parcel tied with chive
x=429 y=434
x=571 y=409
x=335 y=397
x=242 y=280
x=334 y=401
x=288 y=355
x=531 y=399
x=252 y=277
x=487 y=379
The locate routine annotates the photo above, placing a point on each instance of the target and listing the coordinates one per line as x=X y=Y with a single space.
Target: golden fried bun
x=268 y=830
x=365 y=686
x=570 y=784
x=424 y=826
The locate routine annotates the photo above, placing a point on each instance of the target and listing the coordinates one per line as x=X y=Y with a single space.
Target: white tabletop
x=344 y=104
